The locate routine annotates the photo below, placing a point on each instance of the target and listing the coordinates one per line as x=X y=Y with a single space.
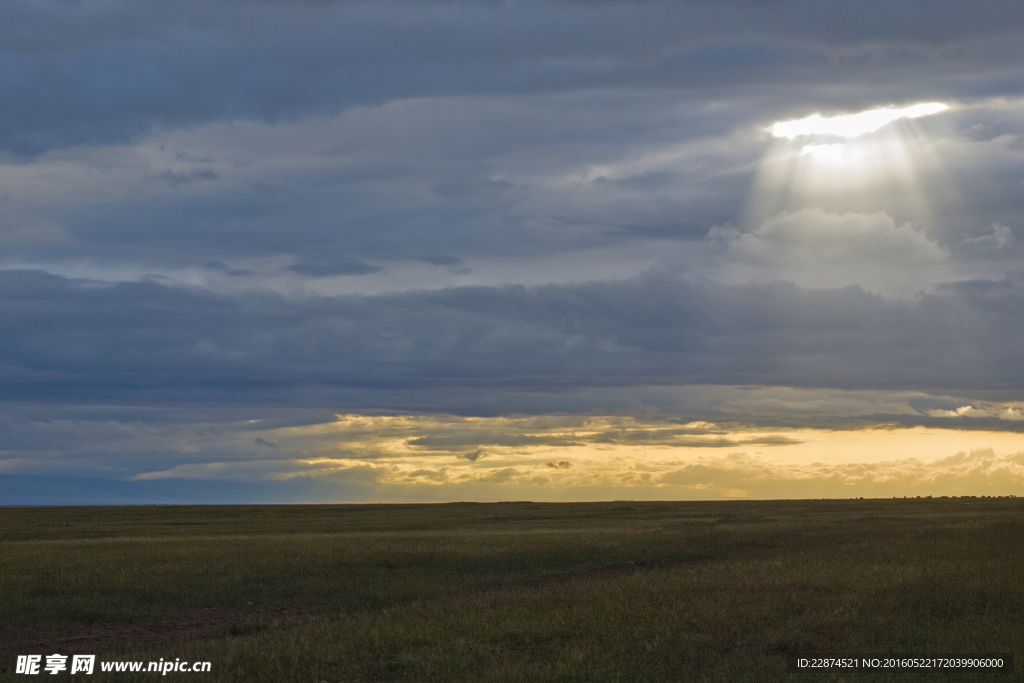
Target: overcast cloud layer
x=279 y=211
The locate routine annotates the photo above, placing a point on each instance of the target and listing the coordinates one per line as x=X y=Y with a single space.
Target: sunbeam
x=875 y=160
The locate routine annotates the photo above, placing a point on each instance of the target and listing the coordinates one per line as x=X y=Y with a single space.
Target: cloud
x=45 y=437
x=474 y=455
x=964 y=411
x=1002 y=236
x=648 y=458
x=737 y=474
x=983 y=410
x=813 y=235
x=966 y=473
x=92 y=339
x=108 y=72
x=468 y=437
x=425 y=193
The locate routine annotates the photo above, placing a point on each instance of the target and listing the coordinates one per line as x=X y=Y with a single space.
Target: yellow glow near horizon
x=853 y=125
x=608 y=457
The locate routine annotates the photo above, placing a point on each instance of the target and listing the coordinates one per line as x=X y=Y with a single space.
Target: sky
x=345 y=251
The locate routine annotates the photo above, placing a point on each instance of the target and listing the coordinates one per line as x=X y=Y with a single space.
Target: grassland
x=708 y=591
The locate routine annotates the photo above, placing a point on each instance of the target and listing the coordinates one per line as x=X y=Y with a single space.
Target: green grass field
x=691 y=591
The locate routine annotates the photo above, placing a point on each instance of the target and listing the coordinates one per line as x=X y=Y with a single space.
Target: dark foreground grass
x=522 y=592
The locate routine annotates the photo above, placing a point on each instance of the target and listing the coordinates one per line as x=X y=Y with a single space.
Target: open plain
x=619 y=591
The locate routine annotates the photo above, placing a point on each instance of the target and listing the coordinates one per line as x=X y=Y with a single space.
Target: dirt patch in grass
x=197 y=624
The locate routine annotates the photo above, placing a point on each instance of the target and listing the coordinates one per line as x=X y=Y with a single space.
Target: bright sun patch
x=853 y=125
x=849 y=163
x=826 y=151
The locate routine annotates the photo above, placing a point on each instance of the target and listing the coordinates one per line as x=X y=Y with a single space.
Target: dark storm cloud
x=412 y=181
x=150 y=340
x=466 y=129
x=92 y=72
x=324 y=267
